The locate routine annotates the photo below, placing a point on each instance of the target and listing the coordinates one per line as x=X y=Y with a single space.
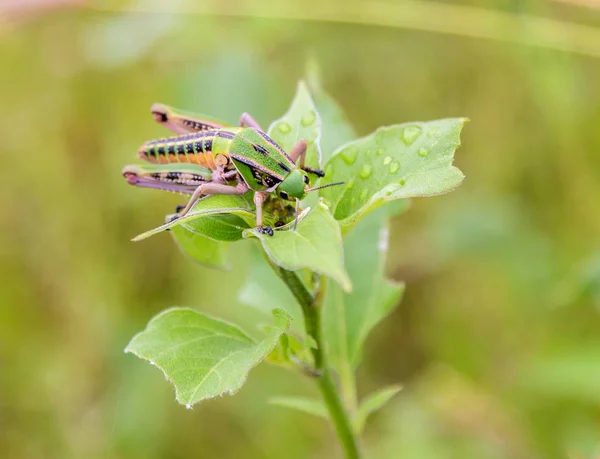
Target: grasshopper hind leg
x=207 y=189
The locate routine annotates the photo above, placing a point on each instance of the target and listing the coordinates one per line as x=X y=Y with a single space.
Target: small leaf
x=374 y=402
x=301 y=121
x=201 y=249
x=265 y=291
x=349 y=318
x=395 y=162
x=335 y=127
x=306 y=405
x=316 y=244
x=201 y=356
x=218 y=217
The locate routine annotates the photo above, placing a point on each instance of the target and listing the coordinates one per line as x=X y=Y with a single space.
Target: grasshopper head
x=295 y=186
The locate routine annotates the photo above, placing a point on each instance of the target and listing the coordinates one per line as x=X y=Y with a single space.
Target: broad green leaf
x=349 y=317
x=335 y=127
x=201 y=249
x=395 y=162
x=301 y=121
x=218 y=217
x=306 y=405
x=316 y=244
x=265 y=291
x=372 y=403
x=201 y=356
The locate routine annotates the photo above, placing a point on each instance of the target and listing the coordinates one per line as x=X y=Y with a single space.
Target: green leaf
x=306 y=405
x=348 y=318
x=201 y=356
x=218 y=217
x=316 y=244
x=335 y=127
x=372 y=403
x=395 y=162
x=301 y=121
x=265 y=291
x=201 y=249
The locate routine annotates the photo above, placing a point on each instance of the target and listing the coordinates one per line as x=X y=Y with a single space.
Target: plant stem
x=311 y=307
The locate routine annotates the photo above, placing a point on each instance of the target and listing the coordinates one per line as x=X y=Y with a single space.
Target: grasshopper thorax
x=294 y=186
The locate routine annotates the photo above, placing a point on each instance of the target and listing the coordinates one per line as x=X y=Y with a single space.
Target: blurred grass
x=496 y=341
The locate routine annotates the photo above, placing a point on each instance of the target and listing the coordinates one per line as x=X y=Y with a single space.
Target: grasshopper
x=218 y=155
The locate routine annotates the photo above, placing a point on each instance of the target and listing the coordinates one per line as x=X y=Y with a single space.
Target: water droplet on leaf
x=387 y=160
x=363 y=195
x=410 y=134
x=402 y=182
x=350 y=184
x=308 y=119
x=394 y=167
x=188 y=406
x=423 y=152
x=380 y=152
x=433 y=133
x=366 y=171
x=284 y=127
x=349 y=156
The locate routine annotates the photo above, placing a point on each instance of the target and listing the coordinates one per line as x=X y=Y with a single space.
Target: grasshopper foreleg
x=298 y=152
x=298 y=155
x=259 y=199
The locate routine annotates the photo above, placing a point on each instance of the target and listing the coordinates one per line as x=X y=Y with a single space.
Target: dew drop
x=433 y=133
x=349 y=156
x=394 y=167
x=366 y=171
x=188 y=406
x=350 y=184
x=402 y=182
x=387 y=160
x=410 y=134
x=152 y=363
x=380 y=152
x=308 y=119
x=284 y=127
x=363 y=195
x=423 y=152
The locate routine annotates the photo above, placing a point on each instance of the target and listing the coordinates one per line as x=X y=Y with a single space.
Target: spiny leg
x=246 y=120
x=183 y=123
x=259 y=199
x=212 y=188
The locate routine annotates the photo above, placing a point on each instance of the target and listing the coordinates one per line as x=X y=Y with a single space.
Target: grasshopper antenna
x=325 y=186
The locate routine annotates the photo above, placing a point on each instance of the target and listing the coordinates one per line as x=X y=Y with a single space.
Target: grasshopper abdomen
x=192 y=148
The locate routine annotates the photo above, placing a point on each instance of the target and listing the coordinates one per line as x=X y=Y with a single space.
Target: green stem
x=311 y=307
x=348 y=388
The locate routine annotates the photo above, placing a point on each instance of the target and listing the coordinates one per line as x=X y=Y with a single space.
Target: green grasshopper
x=218 y=155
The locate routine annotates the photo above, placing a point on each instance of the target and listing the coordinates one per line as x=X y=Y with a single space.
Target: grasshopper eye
x=306 y=180
x=284 y=195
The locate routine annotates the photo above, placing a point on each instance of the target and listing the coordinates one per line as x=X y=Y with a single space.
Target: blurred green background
x=497 y=341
